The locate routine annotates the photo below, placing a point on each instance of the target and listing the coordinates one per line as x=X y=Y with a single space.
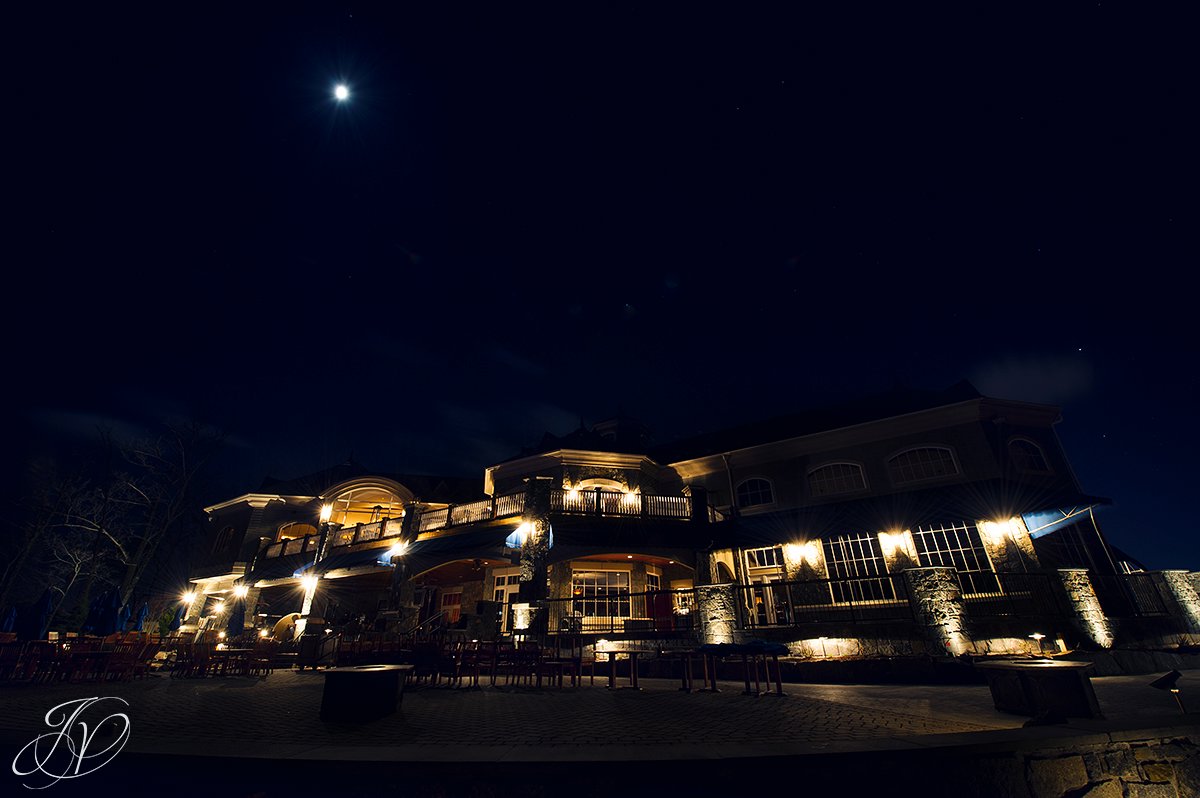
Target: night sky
x=521 y=218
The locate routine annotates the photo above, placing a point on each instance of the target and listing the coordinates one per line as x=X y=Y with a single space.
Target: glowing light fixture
x=326 y=513
x=398 y=549
x=309 y=582
x=263 y=633
x=341 y=92
x=241 y=590
x=188 y=597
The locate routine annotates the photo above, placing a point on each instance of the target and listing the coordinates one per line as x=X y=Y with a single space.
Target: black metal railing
x=618 y=611
x=990 y=595
x=871 y=599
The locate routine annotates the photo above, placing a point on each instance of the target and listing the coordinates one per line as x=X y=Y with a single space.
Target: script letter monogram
x=70 y=750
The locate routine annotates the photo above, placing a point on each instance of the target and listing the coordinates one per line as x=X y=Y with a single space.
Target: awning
x=279 y=567
x=478 y=543
x=377 y=556
x=988 y=499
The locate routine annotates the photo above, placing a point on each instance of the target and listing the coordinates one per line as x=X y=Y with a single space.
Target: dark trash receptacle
x=1042 y=687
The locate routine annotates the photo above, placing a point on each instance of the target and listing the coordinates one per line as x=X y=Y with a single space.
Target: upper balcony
x=595 y=503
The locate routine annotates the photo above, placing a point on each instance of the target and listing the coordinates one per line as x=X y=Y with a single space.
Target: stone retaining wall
x=1158 y=767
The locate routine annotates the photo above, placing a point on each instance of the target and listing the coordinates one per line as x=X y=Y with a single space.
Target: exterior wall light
x=309 y=582
x=326 y=513
x=398 y=549
x=241 y=591
x=188 y=597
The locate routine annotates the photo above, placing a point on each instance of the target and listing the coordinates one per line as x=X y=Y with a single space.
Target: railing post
x=599 y=506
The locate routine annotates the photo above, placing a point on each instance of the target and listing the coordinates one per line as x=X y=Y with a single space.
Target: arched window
x=925 y=462
x=1027 y=456
x=753 y=492
x=295 y=529
x=834 y=478
x=224 y=540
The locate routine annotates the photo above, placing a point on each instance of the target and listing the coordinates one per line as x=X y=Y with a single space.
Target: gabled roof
x=809 y=422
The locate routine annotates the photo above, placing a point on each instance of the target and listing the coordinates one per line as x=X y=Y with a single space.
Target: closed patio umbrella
x=237 y=619
x=178 y=619
x=39 y=616
x=95 y=606
x=9 y=624
x=123 y=616
x=140 y=618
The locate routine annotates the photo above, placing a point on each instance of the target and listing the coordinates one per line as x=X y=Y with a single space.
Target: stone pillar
x=251 y=601
x=699 y=495
x=803 y=561
x=535 y=555
x=1086 y=611
x=716 y=611
x=1008 y=545
x=899 y=551
x=938 y=607
x=1195 y=577
x=1178 y=587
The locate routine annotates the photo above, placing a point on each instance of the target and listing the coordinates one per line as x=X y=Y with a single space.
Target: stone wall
x=1087 y=613
x=938 y=608
x=1159 y=767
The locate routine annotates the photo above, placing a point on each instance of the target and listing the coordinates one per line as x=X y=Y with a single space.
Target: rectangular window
x=600 y=594
x=856 y=569
x=770 y=557
x=451 y=607
x=957 y=546
x=653 y=581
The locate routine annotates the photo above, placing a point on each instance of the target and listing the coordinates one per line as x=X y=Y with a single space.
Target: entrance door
x=506 y=586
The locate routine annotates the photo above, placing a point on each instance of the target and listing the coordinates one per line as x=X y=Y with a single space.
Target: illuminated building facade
x=937 y=523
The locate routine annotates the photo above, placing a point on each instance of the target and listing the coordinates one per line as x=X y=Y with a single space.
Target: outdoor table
x=751 y=654
x=686 y=677
x=1041 y=686
x=363 y=692
x=633 y=653
x=230 y=656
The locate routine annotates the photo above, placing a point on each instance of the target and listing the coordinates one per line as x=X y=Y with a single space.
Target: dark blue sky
x=522 y=218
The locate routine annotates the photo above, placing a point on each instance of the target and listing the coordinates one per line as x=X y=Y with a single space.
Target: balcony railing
x=600 y=502
x=1003 y=595
x=877 y=598
x=460 y=514
x=361 y=533
x=293 y=546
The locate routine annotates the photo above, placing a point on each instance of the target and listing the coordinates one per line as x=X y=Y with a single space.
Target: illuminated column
x=1178 y=585
x=938 y=607
x=1086 y=611
x=899 y=551
x=310 y=590
x=803 y=561
x=535 y=554
x=251 y=603
x=716 y=608
x=1009 y=545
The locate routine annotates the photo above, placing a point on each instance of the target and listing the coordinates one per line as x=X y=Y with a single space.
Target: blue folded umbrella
x=142 y=612
x=177 y=621
x=9 y=624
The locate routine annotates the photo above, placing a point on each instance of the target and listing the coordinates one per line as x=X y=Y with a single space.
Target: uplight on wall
x=808 y=552
x=241 y=591
x=892 y=542
x=398 y=549
x=326 y=513
x=997 y=531
x=309 y=582
x=188 y=597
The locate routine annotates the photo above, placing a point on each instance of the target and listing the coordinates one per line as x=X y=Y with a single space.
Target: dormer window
x=1027 y=456
x=834 y=478
x=922 y=463
x=753 y=492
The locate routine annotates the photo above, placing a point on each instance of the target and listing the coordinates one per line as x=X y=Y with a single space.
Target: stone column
x=937 y=604
x=1009 y=545
x=716 y=613
x=535 y=553
x=1086 y=611
x=251 y=602
x=1177 y=585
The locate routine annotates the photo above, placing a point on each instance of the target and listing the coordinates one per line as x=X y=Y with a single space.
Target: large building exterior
x=941 y=523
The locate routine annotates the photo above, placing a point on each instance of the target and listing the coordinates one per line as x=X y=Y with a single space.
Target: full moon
x=341 y=92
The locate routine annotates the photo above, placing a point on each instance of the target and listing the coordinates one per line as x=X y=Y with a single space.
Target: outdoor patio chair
x=118 y=665
x=10 y=659
x=262 y=659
